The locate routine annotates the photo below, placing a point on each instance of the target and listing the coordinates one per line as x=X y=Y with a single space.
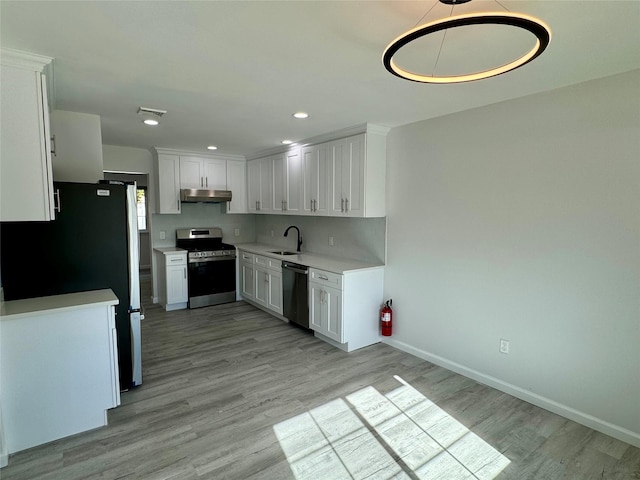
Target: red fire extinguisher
x=386 y=319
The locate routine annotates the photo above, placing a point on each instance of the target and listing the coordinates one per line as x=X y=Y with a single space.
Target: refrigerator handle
x=57 y=205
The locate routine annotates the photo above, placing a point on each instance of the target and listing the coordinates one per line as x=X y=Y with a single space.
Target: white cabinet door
x=261 y=286
x=353 y=176
x=294 y=180
x=279 y=163
x=333 y=306
x=253 y=185
x=168 y=183
x=177 y=291
x=25 y=150
x=191 y=172
x=315 y=185
x=265 y=203
x=274 y=299
x=215 y=174
x=237 y=183
x=260 y=184
x=316 y=293
x=346 y=160
x=325 y=315
x=248 y=282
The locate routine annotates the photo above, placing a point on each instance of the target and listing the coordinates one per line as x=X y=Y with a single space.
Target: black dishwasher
x=295 y=298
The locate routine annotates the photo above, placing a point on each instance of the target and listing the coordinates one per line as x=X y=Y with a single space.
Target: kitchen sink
x=282 y=252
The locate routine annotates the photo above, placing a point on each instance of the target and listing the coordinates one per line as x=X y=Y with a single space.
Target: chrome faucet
x=286 y=232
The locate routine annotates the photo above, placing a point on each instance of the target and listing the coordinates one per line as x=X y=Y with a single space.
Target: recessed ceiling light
x=301 y=115
x=287 y=142
x=212 y=147
x=150 y=121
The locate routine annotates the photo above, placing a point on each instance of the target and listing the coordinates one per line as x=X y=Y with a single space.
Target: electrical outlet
x=331 y=240
x=237 y=232
x=504 y=346
x=163 y=235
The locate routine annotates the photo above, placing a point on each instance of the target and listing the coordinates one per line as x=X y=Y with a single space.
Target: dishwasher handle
x=295 y=268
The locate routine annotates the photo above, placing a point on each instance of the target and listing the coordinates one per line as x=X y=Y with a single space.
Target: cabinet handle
x=201 y=182
x=342 y=204
x=286 y=207
x=346 y=205
x=185 y=272
x=259 y=204
x=53 y=145
x=206 y=182
x=311 y=205
x=322 y=277
x=315 y=205
x=58 y=207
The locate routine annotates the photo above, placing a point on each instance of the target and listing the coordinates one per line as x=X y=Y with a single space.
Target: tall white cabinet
x=25 y=148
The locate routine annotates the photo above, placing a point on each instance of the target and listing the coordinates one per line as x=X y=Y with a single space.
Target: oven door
x=212 y=281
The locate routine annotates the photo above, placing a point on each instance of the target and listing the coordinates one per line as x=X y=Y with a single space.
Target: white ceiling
x=231 y=73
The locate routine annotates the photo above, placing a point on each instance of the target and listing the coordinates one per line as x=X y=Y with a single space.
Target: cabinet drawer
x=268 y=262
x=260 y=260
x=246 y=257
x=329 y=279
x=179 y=259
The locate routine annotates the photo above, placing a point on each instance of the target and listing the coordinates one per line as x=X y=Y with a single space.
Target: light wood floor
x=228 y=390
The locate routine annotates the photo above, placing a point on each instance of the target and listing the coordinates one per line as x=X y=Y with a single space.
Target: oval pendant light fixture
x=531 y=24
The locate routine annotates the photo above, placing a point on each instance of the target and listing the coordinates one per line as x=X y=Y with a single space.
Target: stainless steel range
x=212 y=266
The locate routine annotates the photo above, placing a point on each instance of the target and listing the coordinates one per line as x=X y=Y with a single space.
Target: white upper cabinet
x=237 y=183
x=294 y=182
x=287 y=182
x=168 y=183
x=176 y=170
x=260 y=184
x=279 y=163
x=203 y=173
x=315 y=186
x=77 y=147
x=347 y=169
x=342 y=178
x=25 y=149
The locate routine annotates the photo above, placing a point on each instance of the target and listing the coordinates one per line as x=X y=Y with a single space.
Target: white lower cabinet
x=325 y=311
x=247 y=273
x=172 y=279
x=344 y=309
x=261 y=281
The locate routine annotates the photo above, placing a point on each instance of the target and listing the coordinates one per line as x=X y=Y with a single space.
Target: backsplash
x=354 y=238
x=195 y=215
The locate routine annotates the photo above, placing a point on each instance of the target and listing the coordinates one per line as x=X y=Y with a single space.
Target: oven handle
x=193 y=261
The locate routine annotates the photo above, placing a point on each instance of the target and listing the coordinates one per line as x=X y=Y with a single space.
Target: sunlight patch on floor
x=400 y=435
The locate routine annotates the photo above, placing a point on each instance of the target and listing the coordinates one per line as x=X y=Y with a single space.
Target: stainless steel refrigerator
x=92 y=244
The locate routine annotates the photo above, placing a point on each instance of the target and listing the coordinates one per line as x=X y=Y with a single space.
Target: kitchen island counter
x=58 y=366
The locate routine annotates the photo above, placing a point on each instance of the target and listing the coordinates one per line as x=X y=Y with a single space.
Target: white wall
x=521 y=220
x=131 y=160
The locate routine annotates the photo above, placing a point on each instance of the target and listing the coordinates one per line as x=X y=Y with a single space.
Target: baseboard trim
x=582 y=418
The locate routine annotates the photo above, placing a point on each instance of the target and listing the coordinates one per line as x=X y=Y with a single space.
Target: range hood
x=192 y=195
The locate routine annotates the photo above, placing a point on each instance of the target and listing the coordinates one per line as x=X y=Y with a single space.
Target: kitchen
x=474 y=260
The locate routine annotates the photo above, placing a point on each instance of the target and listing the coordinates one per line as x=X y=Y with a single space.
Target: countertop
x=167 y=250
x=321 y=262
x=15 y=309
